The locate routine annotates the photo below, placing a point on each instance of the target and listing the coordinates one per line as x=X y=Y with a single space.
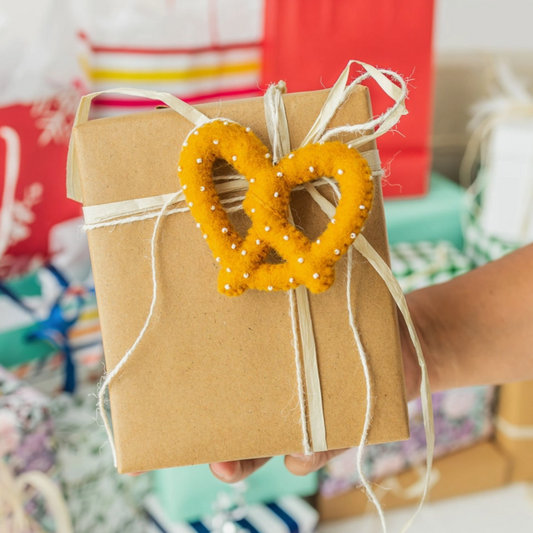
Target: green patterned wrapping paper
x=480 y=246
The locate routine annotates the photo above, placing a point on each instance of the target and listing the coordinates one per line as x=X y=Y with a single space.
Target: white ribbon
x=13 y=497
x=112 y=214
x=278 y=131
x=82 y=115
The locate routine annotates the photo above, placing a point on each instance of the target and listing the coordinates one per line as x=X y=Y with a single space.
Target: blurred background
x=459 y=193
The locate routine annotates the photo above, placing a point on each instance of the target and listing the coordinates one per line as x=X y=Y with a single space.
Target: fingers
x=297 y=464
x=234 y=471
x=301 y=465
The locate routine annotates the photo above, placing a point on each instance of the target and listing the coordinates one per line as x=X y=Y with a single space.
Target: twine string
x=111 y=375
x=368 y=412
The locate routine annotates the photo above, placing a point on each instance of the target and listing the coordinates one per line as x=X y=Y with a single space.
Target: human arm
x=475 y=329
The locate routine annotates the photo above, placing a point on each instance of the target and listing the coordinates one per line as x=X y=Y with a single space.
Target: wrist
x=429 y=329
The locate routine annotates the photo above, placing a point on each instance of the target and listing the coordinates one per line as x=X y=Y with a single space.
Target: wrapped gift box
x=213 y=57
x=481 y=467
x=33 y=193
x=479 y=245
x=214 y=377
x=188 y=493
x=286 y=515
x=462 y=417
x=40 y=88
x=17 y=321
x=50 y=333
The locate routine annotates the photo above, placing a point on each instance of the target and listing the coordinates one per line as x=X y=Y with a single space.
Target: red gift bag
x=308 y=42
x=33 y=154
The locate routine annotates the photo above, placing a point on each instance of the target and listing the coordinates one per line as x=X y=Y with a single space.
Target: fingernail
x=298 y=455
x=218 y=470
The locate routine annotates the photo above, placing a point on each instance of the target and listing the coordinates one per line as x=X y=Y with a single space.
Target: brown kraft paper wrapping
x=214 y=378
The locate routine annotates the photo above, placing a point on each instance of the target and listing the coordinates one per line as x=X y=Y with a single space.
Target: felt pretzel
x=267 y=204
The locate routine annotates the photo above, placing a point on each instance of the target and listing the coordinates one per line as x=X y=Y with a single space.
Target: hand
x=474 y=330
x=297 y=464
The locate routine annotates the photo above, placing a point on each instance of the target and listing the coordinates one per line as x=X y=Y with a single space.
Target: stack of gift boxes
x=51 y=351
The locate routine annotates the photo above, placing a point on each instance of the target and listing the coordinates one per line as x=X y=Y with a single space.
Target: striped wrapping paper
x=47 y=374
x=287 y=515
x=220 y=60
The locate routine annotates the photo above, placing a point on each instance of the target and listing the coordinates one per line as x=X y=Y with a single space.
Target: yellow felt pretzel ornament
x=267 y=203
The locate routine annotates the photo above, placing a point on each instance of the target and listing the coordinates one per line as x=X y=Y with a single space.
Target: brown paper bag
x=214 y=378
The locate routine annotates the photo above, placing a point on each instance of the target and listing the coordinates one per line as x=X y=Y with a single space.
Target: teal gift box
x=436 y=217
x=188 y=493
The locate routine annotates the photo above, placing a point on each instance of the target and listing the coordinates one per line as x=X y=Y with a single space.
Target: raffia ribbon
x=279 y=133
x=13 y=497
x=158 y=207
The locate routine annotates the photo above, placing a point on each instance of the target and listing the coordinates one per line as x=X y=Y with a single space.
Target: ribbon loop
x=339 y=93
x=82 y=115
